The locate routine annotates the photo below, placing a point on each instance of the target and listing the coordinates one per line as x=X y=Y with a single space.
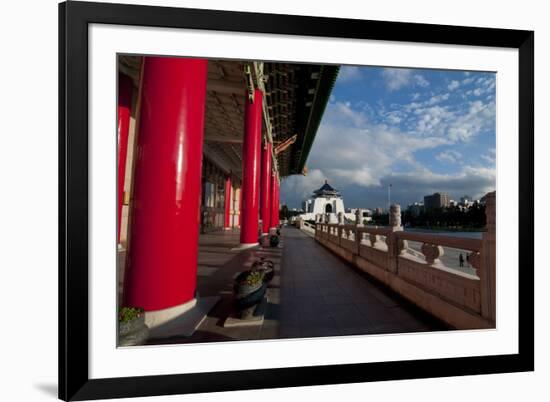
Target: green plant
x=253 y=278
x=127 y=314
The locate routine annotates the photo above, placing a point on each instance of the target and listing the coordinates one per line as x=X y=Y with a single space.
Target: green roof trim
x=327 y=78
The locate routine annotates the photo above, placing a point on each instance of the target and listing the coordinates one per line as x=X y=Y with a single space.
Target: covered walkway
x=314 y=293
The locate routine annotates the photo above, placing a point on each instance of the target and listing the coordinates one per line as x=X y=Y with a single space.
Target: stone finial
x=490 y=211
x=373 y=238
x=395 y=215
x=358 y=217
x=340 y=218
x=432 y=252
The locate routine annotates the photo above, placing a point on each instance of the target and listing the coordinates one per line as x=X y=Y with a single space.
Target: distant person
x=461 y=259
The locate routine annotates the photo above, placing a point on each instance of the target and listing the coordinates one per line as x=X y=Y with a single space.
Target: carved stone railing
x=307 y=227
x=462 y=299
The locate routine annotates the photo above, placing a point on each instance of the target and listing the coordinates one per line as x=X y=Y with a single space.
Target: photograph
x=266 y=200
x=274 y=201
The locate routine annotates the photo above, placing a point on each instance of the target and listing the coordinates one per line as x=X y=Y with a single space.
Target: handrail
x=446 y=241
x=389 y=260
x=383 y=231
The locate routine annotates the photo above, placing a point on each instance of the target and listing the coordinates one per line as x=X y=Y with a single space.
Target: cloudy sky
x=421 y=131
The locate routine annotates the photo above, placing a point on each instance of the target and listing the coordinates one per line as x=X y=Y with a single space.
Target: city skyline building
x=436 y=200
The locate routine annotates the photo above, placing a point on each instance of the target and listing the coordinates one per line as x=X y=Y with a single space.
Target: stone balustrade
x=462 y=300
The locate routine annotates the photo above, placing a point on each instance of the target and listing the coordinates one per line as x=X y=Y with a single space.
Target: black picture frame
x=74 y=18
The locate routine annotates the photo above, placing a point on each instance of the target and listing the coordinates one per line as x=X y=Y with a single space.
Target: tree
x=284 y=213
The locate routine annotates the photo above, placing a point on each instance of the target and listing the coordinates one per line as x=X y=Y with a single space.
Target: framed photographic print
x=258 y=201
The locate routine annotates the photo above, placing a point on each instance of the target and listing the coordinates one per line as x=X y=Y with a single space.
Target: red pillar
x=274 y=201
x=251 y=169
x=265 y=188
x=240 y=216
x=227 y=217
x=124 y=107
x=162 y=256
x=277 y=201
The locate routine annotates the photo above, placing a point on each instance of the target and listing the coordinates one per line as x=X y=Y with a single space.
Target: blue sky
x=420 y=130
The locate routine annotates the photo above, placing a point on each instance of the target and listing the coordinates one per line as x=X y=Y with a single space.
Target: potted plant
x=265 y=266
x=131 y=326
x=249 y=290
x=273 y=241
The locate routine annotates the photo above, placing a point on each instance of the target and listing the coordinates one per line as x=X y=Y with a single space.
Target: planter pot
x=241 y=288
x=133 y=332
x=273 y=241
x=246 y=296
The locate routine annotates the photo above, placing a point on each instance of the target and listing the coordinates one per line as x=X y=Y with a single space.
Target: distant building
x=436 y=200
x=416 y=209
x=325 y=200
x=378 y=211
x=466 y=201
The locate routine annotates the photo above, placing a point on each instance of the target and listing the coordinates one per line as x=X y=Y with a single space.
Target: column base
x=157 y=318
x=245 y=246
x=185 y=324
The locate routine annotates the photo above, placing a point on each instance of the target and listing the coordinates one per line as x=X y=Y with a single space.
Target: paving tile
x=337 y=299
x=313 y=293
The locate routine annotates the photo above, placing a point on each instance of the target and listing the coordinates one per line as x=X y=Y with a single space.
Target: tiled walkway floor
x=313 y=293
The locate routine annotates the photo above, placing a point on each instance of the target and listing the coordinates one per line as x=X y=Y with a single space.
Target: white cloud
x=299 y=187
x=453 y=85
x=474 y=180
x=483 y=86
x=397 y=78
x=434 y=100
x=421 y=81
x=349 y=73
x=360 y=157
x=345 y=111
x=394 y=117
x=490 y=157
x=449 y=156
x=363 y=153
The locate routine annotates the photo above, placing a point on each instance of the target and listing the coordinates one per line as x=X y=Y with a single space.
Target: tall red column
x=124 y=107
x=277 y=201
x=265 y=188
x=274 y=209
x=162 y=256
x=227 y=217
x=240 y=216
x=251 y=169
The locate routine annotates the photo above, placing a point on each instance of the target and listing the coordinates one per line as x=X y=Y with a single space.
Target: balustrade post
x=487 y=268
x=395 y=246
x=358 y=217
